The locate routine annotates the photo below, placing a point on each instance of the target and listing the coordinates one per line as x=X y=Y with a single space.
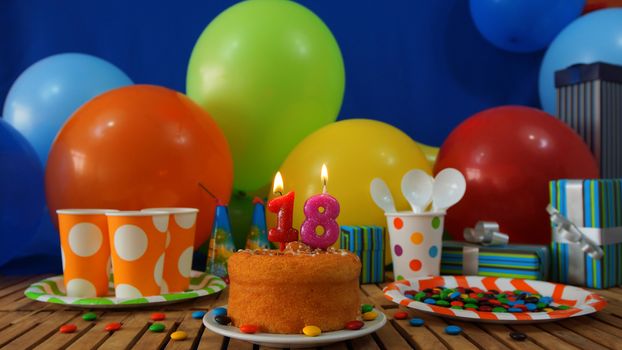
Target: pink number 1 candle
x=320 y=210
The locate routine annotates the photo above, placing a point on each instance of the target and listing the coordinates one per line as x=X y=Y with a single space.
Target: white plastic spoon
x=381 y=195
x=449 y=188
x=417 y=188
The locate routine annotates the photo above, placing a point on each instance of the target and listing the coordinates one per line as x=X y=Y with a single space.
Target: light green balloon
x=270 y=73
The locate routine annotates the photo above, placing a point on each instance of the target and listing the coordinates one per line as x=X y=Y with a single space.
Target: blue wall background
x=419 y=65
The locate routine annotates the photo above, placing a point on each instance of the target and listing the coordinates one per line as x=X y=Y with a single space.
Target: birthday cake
x=284 y=291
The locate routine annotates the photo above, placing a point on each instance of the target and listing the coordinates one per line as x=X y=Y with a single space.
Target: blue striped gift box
x=367 y=242
x=596 y=207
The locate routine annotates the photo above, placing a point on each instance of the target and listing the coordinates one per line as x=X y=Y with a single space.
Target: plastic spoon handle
x=417 y=189
x=381 y=195
x=449 y=188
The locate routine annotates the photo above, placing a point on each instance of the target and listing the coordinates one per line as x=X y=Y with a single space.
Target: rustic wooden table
x=27 y=324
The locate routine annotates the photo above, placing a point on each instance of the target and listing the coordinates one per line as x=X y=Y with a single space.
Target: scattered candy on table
x=369 y=316
x=475 y=299
x=68 y=328
x=366 y=308
x=453 y=330
x=219 y=311
x=249 y=328
x=89 y=316
x=400 y=315
x=158 y=316
x=416 y=322
x=113 y=326
x=157 y=327
x=518 y=336
x=354 y=325
x=179 y=335
x=222 y=319
x=311 y=331
x=198 y=314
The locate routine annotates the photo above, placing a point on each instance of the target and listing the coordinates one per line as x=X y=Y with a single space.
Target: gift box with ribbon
x=368 y=243
x=486 y=252
x=586 y=217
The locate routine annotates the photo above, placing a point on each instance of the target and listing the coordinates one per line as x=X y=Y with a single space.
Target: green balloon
x=270 y=73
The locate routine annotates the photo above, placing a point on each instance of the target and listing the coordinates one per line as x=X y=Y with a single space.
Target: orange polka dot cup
x=416 y=241
x=137 y=242
x=85 y=251
x=179 y=248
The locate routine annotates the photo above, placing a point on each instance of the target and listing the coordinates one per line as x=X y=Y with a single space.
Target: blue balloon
x=46 y=94
x=523 y=25
x=595 y=37
x=22 y=197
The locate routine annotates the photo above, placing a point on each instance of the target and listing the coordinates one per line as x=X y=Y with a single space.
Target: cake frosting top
x=297 y=248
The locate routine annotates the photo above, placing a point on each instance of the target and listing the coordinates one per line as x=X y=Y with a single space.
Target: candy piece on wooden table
x=519 y=336
x=416 y=322
x=453 y=330
x=158 y=316
x=68 y=328
x=366 y=308
x=222 y=319
x=249 y=328
x=179 y=335
x=157 y=327
x=219 y=311
x=354 y=325
x=113 y=326
x=197 y=315
x=311 y=331
x=400 y=315
x=369 y=316
x=89 y=316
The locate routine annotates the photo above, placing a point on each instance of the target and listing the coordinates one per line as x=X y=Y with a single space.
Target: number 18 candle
x=284 y=207
x=320 y=230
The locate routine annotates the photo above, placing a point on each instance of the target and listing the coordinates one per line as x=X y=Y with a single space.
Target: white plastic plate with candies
x=293 y=340
x=567 y=301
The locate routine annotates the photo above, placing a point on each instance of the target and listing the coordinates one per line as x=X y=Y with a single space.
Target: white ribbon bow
x=571 y=233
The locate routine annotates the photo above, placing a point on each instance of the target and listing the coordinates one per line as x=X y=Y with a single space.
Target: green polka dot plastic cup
x=416 y=241
x=85 y=251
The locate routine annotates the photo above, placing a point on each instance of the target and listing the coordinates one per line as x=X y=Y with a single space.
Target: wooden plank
x=364 y=343
x=502 y=333
x=207 y=302
x=543 y=338
x=59 y=340
x=239 y=344
x=335 y=346
x=570 y=336
x=43 y=330
x=133 y=328
x=609 y=319
x=192 y=327
x=598 y=332
x=96 y=334
x=211 y=340
x=152 y=340
x=478 y=336
x=16 y=330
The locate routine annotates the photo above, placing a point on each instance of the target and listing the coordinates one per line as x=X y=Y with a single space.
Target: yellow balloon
x=355 y=151
x=430 y=152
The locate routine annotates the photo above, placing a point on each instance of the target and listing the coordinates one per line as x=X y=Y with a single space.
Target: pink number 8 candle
x=320 y=210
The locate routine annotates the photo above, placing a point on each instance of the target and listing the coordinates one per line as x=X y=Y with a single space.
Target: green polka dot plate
x=52 y=290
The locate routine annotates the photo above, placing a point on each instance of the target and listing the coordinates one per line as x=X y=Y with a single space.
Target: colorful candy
x=222 y=319
x=311 y=331
x=219 y=311
x=400 y=315
x=476 y=299
x=354 y=325
x=416 y=322
x=369 y=316
x=68 y=328
x=89 y=316
x=453 y=330
x=249 y=328
x=519 y=336
x=197 y=315
x=113 y=326
x=158 y=316
x=366 y=308
x=179 y=335
x=157 y=327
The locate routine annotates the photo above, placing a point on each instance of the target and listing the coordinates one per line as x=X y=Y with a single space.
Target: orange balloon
x=138 y=147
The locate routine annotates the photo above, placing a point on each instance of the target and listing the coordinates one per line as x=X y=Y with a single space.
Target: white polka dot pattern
x=127 y=291
x=130 y=242
x=158 y=270
x=185 y=220
x=160 y=222
x=185 y=262
x=79 y=287
x=85 y=239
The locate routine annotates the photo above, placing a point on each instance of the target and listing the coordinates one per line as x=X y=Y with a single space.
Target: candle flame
x=278 y=184
x=324 y=176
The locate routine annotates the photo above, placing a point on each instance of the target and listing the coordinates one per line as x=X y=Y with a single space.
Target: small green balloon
x=269 y=72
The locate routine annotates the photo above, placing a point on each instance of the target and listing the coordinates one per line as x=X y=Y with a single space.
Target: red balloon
x=138 y=147
x=508 y=156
